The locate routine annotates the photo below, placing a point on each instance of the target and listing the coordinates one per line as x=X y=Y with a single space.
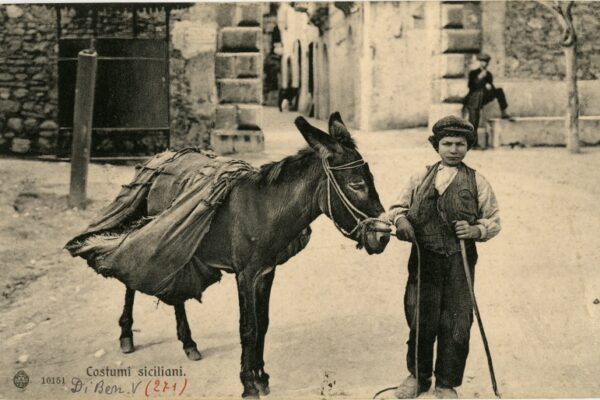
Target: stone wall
x=532 y=34
x=29 y=76
x=401 y=50
x=28 y=93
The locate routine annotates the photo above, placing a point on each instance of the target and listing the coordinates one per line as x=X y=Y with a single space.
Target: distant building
x=387 y=65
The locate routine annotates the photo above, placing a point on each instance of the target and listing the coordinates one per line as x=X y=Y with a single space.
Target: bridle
x=352 y=209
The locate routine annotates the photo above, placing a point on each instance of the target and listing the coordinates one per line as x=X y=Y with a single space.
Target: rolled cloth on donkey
x=148 y=236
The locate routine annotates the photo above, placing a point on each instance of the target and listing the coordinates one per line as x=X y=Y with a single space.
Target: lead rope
x=415 y=322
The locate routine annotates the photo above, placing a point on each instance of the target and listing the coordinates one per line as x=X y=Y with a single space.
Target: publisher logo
x=21 y=379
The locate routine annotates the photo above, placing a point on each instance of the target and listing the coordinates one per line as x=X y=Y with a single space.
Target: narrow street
x=335 y=310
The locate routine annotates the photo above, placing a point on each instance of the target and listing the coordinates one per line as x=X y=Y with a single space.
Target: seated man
x=482 y=92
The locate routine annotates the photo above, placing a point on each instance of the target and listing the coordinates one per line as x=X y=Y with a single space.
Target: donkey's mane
x=289 y=167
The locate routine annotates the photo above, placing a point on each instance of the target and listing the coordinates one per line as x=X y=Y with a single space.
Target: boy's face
x=452 y=150
x=483 y=64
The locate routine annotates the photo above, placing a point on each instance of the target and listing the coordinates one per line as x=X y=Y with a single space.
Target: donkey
x=263 y=215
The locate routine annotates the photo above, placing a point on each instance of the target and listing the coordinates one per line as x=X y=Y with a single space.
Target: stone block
x=224 y=66
x=4 y=76
x=9 y=106
x=438 y=111
x=450 y=66
x=30 y=124
x=542 y=131
x=238 y=65
x=240 y=90
x=249 y=14
x=461 y=41
x=15 y=124
x=20 y=146
x=452 y=15
x=249 y=116
x=449 y=90
x=241 y=39
x=47 y=134
x=49 y=125
x=20 y=93
x=226 y=117
x=233 y=141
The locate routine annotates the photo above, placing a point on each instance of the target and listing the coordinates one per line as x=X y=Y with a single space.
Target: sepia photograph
x=299 y=200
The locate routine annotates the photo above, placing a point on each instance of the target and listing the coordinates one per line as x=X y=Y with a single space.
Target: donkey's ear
x=338 y=129
x=316 y=138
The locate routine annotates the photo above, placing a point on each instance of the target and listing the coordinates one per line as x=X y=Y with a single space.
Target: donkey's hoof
x=127 y=345
x=193 y=354
x=250 y=392
x=263 y=387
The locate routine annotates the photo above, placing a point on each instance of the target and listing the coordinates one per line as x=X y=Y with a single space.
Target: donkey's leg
x=248 y=330
x=263 y=294
x=184 y=334
x=126 y=322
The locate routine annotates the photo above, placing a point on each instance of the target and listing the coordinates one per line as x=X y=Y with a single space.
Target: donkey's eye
x=357 y=185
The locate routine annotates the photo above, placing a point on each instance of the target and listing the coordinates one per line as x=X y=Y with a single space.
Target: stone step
x=239 y=116
x=461 y=40
x=237 y=141
x=238 y=65
x=240 y=39
x=239 y=91
x=541 y=131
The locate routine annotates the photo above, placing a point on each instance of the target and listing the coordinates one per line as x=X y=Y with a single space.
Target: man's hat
x=453 y=126
x=484 y=57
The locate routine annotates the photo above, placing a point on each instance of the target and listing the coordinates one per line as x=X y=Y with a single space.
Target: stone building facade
x=214 y=65
x=389 y=65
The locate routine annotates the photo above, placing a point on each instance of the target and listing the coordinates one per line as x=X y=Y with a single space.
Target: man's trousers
x=475 y=101
x=445 y=315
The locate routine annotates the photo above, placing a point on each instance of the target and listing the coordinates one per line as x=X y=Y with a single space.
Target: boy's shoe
x=408 y=388
x=444 y=392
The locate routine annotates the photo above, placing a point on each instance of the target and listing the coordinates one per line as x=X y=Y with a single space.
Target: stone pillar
x=238 y=73
x=459 y=38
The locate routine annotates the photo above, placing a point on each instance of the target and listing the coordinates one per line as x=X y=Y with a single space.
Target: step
x=238 y=65
x=237 y=141
x=541 y=131
x=240 y=39
x=239 y=90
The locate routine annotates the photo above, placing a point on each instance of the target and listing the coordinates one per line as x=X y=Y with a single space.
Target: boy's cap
x=454 y=126
x=484 y=57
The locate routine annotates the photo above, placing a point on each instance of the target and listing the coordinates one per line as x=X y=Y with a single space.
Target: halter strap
x=351 y=208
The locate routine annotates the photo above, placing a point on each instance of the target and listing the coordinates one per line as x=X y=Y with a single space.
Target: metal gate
x=131 y=104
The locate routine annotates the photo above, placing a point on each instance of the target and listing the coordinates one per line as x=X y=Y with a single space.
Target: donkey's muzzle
x=375 y=236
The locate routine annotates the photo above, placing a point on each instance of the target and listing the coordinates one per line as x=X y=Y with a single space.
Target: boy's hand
x=465 y=231
x=404 y=230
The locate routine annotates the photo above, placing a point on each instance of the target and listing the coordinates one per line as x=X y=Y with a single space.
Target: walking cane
x=463 y=252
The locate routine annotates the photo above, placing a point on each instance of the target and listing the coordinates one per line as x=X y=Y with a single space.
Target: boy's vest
x=432 y=215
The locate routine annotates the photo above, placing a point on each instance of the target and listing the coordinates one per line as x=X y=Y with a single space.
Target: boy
x=441 y=205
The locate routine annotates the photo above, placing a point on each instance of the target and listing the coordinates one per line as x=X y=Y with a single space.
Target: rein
x=331 y=181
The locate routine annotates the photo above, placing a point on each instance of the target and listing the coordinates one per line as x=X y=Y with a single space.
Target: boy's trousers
x=445 y=314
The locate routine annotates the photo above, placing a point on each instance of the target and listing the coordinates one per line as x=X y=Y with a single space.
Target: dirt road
x=334 y=310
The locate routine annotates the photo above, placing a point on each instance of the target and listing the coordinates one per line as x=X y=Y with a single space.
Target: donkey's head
x=348 y=196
